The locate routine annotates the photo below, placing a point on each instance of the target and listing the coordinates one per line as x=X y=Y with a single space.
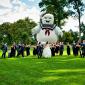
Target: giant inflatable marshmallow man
x=47 y=30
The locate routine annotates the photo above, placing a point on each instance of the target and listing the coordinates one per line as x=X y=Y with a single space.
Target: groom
x=39 y=50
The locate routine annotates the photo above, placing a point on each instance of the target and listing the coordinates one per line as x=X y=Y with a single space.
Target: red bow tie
x=47 y=32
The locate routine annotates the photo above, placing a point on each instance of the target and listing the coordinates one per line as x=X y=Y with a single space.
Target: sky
x=13 y=10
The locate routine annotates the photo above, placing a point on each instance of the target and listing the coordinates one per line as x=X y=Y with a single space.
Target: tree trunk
x=79 y=25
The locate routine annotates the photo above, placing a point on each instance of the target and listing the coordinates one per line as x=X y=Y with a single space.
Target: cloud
x=71 y=23
x=83 y=18
x=5 y=3
x=15 y=10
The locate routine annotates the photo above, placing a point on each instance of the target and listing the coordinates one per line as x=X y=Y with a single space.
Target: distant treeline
x=19 y=31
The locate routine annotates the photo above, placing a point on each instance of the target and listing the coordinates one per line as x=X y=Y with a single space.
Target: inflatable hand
x=58 y=31
x=36 y=30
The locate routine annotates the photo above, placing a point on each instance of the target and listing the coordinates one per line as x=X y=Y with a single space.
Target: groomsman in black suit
x=83 y=49
x=39 y=50
x=61 y=48
x=68 y=49
x=34 y=51
x=53 y=50
x=4 y=50
x=21 y=50
x=28 y=50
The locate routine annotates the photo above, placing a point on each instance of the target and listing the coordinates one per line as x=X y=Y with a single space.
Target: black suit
x=39 y=51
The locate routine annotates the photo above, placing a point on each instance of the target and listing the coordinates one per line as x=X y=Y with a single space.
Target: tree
x=55 y=7
x=5 y=32
x=19 y=31
x=83 y=30
x=67 y=37
x=74 y=35
x=78 y=8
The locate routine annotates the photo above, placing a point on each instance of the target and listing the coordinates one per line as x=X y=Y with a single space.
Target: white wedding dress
x=47 y=51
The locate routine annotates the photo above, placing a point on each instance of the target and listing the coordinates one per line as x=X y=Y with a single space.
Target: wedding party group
x=46 y=50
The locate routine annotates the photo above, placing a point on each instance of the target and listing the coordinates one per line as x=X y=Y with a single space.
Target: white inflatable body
x=46 y=30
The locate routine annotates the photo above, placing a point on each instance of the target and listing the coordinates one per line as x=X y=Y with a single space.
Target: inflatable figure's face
x=48 y=19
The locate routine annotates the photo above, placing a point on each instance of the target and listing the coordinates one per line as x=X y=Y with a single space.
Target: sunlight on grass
x=39 y=62
x=49 y=78
x=74 y=83
x=71 y=59
x=12 y=58
x=60 y=62
x=65 y=70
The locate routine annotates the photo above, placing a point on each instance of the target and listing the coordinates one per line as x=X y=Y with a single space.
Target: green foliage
x=74 y=35
x=82 y=28
x=19 y=31
x=70 y=36
x=77 y=5
x=55 y=7
x=67 y=37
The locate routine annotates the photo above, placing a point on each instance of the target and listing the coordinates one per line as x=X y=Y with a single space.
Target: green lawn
x=65 y=70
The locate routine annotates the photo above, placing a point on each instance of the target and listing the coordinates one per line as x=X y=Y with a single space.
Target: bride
x=47 y=51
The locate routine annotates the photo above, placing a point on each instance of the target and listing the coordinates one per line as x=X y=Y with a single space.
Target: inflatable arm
x=58 y=31
x=36 y=30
